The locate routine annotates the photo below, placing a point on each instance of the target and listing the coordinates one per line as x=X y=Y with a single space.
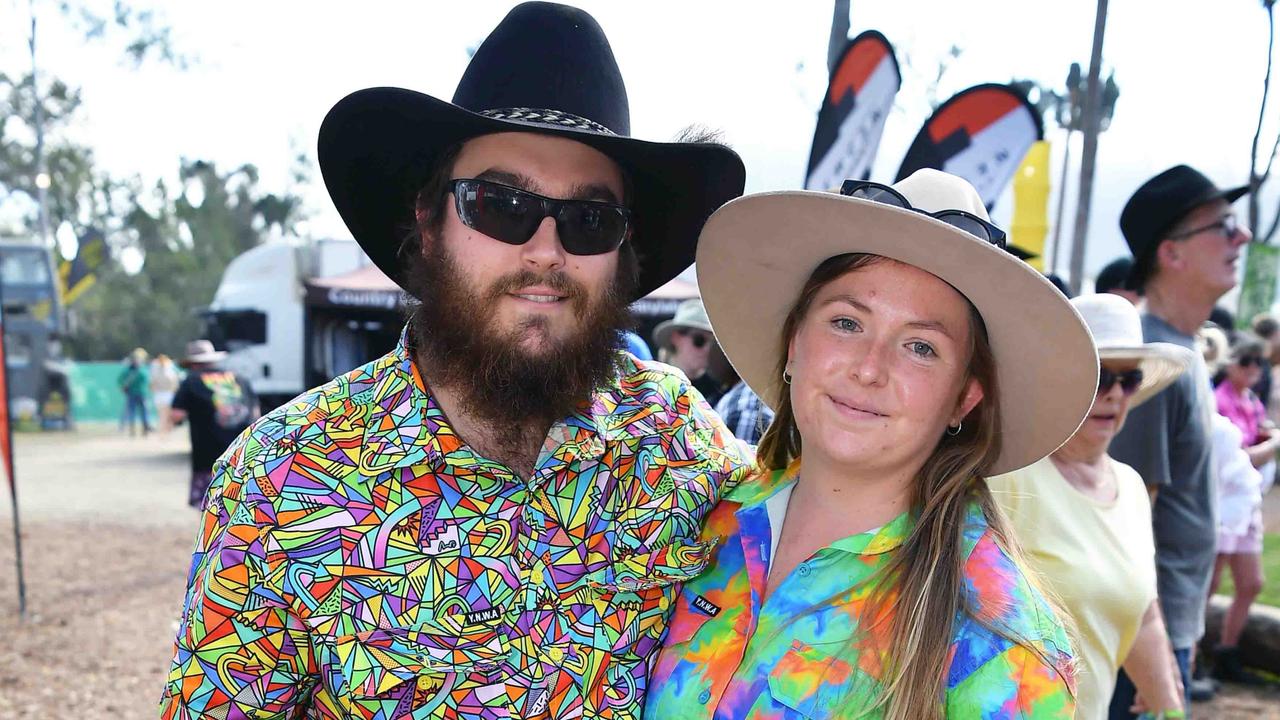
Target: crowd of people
x=882 y=468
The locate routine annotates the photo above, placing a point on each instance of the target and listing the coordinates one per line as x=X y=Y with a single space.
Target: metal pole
x=42 y=172
x=1062 y=204
x=8 y=459
x=1092 y=126
x=839 y=34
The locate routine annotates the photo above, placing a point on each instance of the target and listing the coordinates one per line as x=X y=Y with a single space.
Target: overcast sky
x=1190 y=75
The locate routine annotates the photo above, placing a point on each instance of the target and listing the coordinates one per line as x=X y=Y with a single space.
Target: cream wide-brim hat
x=756 y=253
x=1117 y=331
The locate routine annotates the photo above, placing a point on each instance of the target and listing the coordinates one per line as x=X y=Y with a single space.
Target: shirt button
x=663 y=603
x=536 y=576
x=803 y=569
x=704 y=697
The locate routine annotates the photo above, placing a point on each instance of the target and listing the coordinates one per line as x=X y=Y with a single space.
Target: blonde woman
x=1084 y=521
x=164 y=383
x=865 y=571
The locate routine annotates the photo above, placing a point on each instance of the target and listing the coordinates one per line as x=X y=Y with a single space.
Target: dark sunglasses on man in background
x=1130 y=381
x=959 y=219
x=1249 y=361
x=1227 y=226
x=512 y=216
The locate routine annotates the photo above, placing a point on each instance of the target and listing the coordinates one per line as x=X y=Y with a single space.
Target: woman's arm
x=1263 y=452
x=1151 y=666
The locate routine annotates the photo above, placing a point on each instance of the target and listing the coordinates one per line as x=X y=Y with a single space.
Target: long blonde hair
x=926 y=574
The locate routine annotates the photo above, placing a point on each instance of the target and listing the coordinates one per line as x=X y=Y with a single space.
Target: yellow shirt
x=1097 y=558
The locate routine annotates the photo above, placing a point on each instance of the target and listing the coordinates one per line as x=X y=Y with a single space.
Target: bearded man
x=494 y=519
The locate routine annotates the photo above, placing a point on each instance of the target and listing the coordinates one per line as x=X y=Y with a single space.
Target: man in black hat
x=492 y=520
x=1186 y=244
x=1114 y=279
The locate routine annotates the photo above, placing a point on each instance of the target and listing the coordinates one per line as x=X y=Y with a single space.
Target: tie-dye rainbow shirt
x=730 y=658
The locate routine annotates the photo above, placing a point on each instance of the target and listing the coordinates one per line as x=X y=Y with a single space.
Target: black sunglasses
x=512 y=216
x=1227 y=226
x=1130 y=381
x=1249 y=361
x=698 y=339
x=959 y=219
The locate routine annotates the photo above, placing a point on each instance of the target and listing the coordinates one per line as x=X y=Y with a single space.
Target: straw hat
x=1117 y=331
x=756 y=253
x=201 y=351
x=690 y=314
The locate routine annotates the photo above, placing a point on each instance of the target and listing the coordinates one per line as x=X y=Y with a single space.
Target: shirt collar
x=757 y=492
x=407 y=427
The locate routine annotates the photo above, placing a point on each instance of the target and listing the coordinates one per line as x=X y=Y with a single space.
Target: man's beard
x=508 y=389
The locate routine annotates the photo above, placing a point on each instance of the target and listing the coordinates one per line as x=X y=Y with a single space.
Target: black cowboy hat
x=546 y=68
x=1157 y=206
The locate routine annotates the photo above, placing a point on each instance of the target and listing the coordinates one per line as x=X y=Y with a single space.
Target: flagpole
x=8 y=460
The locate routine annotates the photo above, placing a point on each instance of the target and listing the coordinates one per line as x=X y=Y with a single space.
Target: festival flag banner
x=80 y=274
x=859 y=96
x=1258 y=291
x=980 y=134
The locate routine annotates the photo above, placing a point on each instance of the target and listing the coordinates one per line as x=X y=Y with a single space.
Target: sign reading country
x=859 y=96
x=980 y=134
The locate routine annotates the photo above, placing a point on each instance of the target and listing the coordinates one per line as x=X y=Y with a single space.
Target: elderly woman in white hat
x=865 y=571
x=1084 y=521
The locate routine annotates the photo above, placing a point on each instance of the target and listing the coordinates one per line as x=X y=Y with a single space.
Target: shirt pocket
x=811 y=683
x=634 y=594
x=420 y=660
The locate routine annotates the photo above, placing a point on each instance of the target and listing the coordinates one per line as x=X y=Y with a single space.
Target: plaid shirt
x=358 y=560
x=744 y=413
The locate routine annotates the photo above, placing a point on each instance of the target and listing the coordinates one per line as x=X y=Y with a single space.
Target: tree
x=185 y=242
x=167 y=249
x=1257 y=179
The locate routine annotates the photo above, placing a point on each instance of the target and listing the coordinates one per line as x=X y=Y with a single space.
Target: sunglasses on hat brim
x=511 y=215
x=959 y=219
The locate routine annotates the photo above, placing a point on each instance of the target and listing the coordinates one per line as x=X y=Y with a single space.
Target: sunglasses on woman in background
x=1130 y=381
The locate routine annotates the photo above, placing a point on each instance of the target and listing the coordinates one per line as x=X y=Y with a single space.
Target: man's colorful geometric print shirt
x=357 y=560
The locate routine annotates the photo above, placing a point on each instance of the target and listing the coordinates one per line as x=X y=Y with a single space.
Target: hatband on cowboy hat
x=546 y=68
x=1117 y=332
x=757 y=252
x=689 y=314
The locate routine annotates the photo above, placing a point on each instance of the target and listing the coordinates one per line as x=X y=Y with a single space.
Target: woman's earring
x=954 y=430
x=786 y=377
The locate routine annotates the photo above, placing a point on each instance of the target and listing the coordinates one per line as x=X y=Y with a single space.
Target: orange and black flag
x=980 y=134
x=859 y=96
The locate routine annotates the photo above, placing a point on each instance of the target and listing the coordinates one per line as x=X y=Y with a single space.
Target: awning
x=664 y=301
x=366 y=288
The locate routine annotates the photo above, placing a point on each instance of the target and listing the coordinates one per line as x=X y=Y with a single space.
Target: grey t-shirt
x=1166 y=439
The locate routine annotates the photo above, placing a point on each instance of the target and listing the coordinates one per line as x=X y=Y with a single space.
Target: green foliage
x=182 y=237
x=185 y=247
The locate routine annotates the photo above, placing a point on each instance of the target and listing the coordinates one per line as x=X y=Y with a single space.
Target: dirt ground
x=107 y=538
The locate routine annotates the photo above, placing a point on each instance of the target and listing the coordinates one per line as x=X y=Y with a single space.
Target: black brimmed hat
x=1157 y=206
x=546 y=68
